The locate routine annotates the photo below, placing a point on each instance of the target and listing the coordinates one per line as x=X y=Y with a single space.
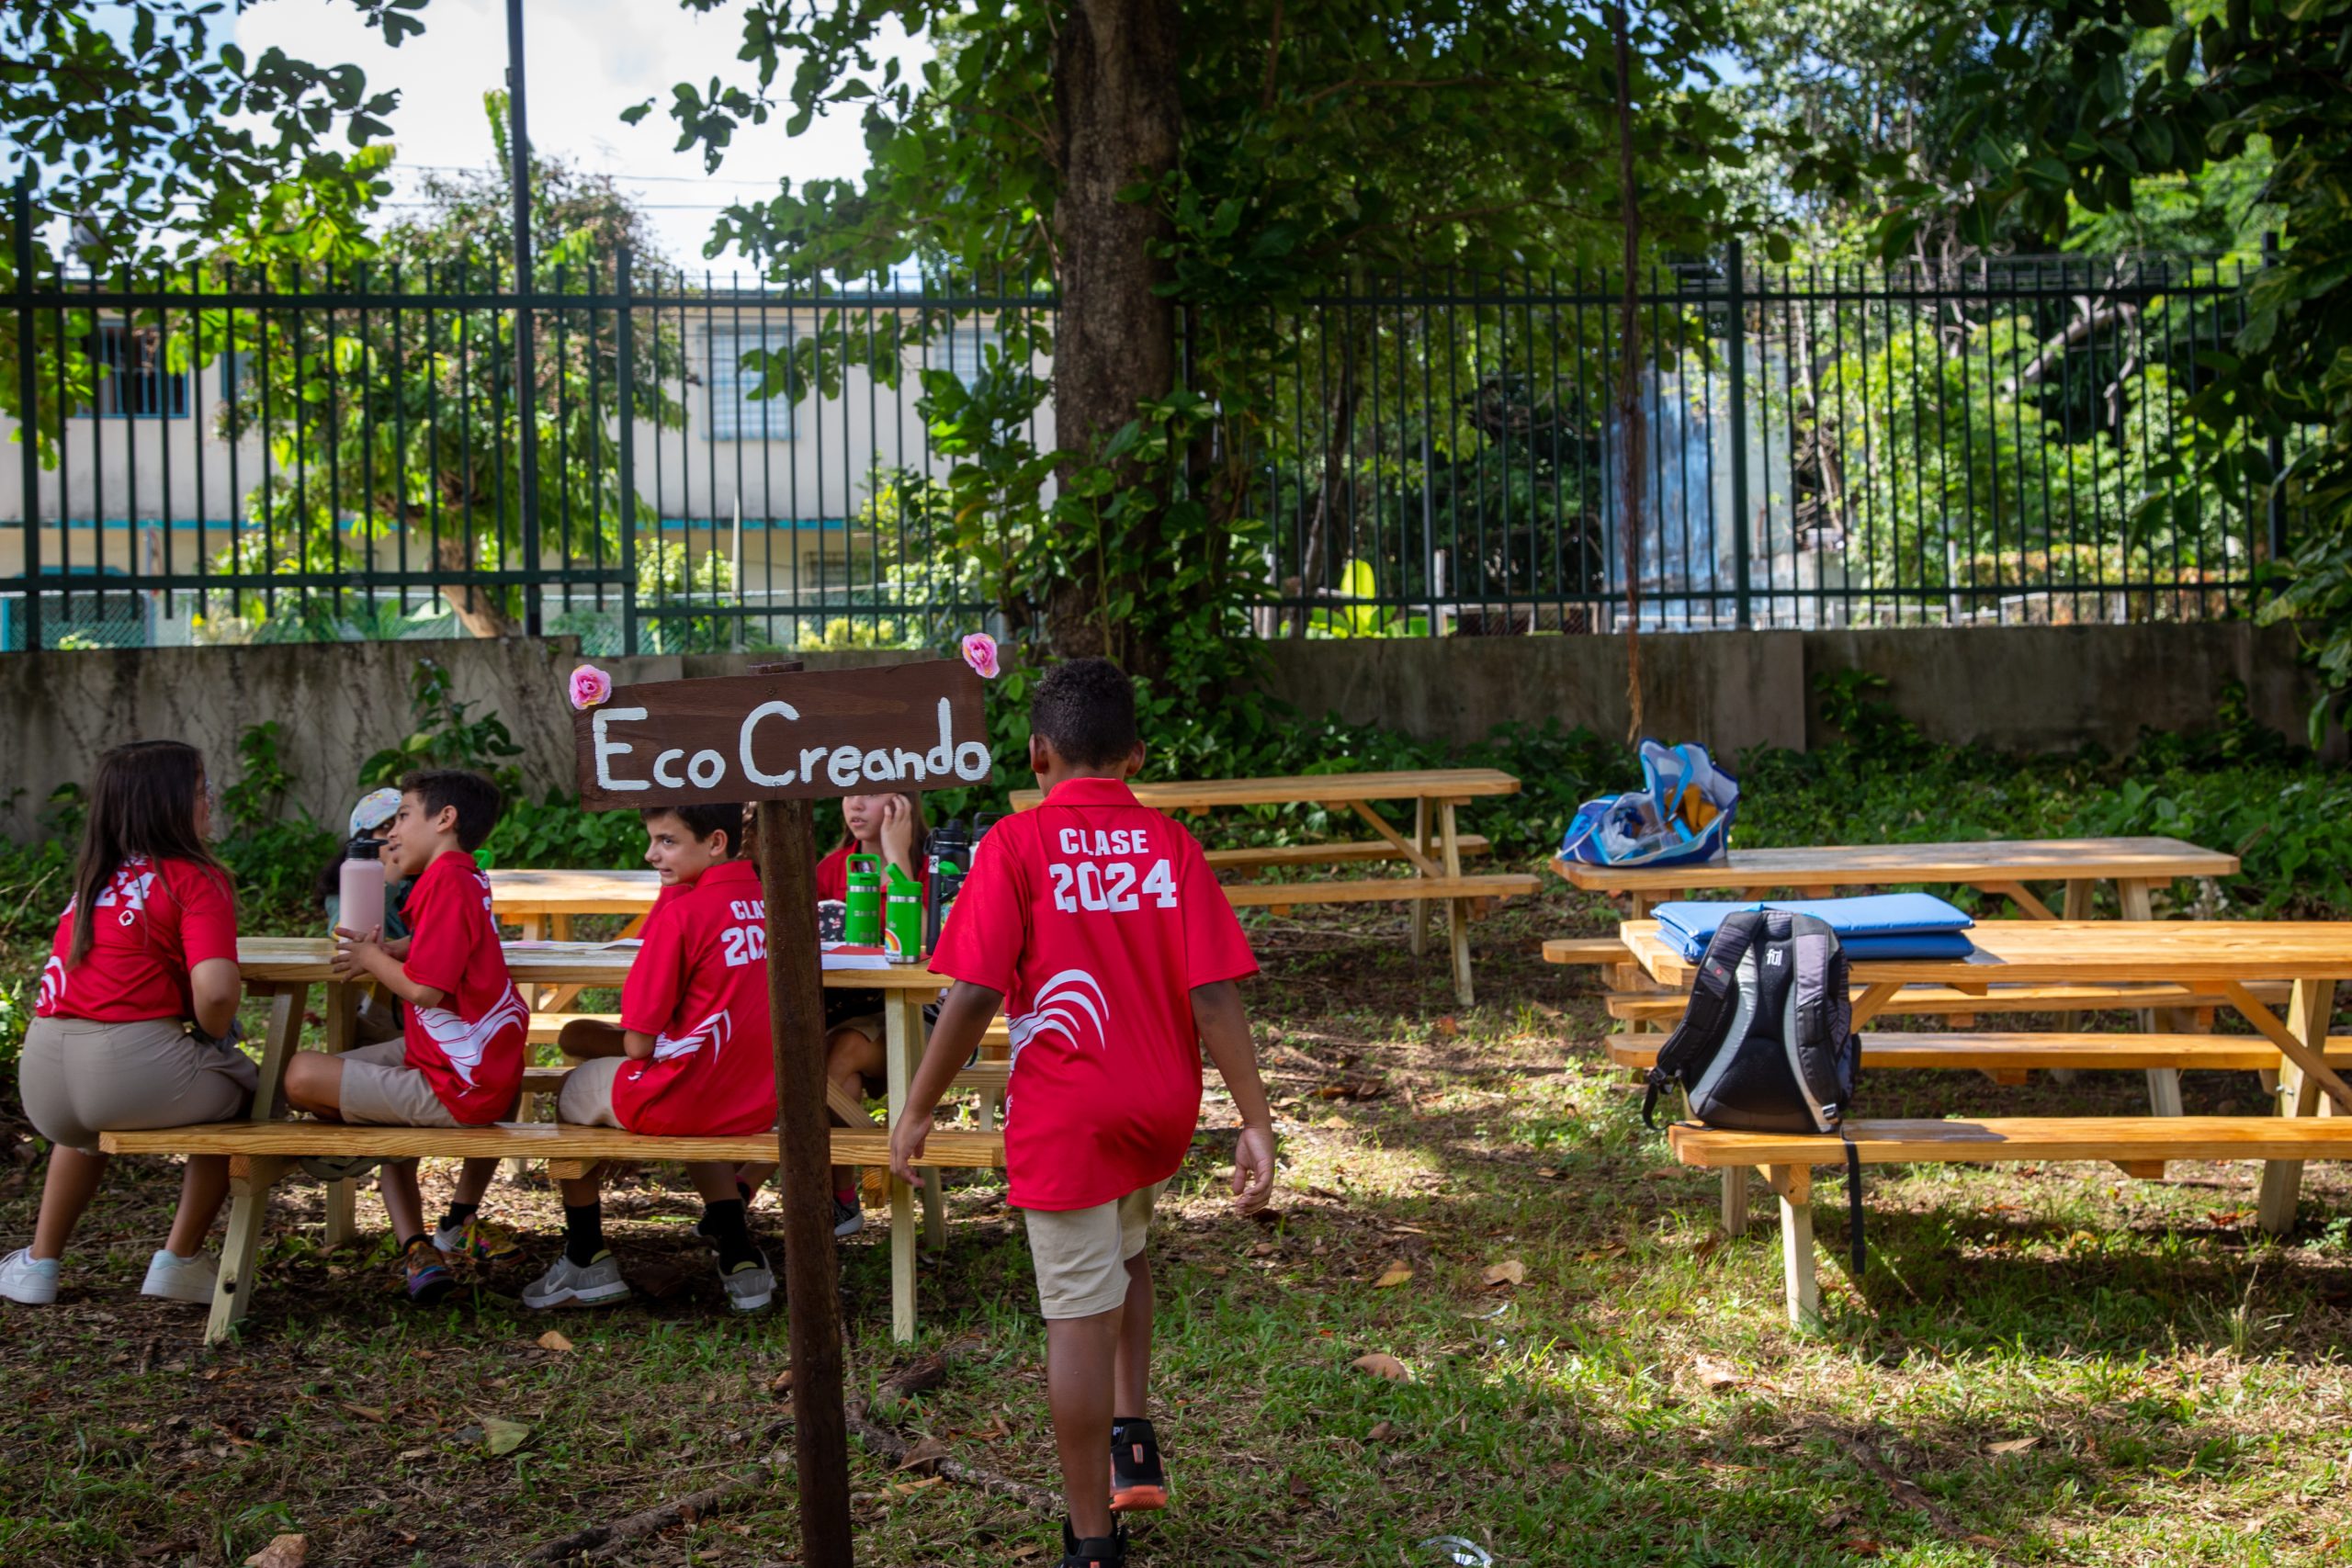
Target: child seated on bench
x=461 y=1060
x=691 y=1058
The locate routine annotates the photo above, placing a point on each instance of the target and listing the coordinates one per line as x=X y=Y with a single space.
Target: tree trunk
x=1118 y=120
x=481 y=611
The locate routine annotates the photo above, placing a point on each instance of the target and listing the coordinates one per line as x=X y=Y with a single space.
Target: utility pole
x=526 y=448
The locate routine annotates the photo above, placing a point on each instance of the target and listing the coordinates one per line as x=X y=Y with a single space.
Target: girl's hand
x=897 y=833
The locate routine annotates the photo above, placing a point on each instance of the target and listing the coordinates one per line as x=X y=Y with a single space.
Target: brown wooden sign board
x=894 y=729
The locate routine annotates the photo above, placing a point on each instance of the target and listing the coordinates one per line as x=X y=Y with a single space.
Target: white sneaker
x=29 y=1280
x=172 y=1278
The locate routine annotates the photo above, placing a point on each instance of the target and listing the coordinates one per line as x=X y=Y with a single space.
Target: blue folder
x=1879 y=925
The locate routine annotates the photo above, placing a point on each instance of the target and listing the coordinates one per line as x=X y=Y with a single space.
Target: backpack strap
x=1714 y=995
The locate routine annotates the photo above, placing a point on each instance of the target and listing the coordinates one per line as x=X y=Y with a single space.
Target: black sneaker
x=1138 y=1483
x=1095 y=1552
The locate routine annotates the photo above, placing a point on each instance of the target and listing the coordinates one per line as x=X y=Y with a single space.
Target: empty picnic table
x=2232 y=957
x=2001 y=866
x=286 y=968
x=1434 y=852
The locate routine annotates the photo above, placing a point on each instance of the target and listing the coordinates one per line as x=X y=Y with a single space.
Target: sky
x=587 y=59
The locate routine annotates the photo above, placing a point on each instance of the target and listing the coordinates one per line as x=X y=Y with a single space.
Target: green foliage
x=448 y=734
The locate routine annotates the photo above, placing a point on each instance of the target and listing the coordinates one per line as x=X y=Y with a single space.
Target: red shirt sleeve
x=207 y=913
x=441 y=937
x=657 y=976
x=1215 y=948
x=984 y=938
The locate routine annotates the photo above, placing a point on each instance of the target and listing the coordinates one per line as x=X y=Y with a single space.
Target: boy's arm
x=1224 y=1025
x=963 y=1019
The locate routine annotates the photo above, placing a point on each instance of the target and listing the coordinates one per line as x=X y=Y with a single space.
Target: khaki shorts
x=1081 y=1254
x=381 y=1089
x=80 y=1079
x=586 y=1098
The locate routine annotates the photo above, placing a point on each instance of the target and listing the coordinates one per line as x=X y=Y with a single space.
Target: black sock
x=583 y=1231
x=457 y=1216
x=723 y=1222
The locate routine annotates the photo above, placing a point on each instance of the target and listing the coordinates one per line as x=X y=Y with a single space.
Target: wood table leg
x=249 y=1179
x=1794 y=1184
x=2309 y=1008
x=1735 y=1200
x=1421 y=906
x=898 y=1047
x=1457 y=910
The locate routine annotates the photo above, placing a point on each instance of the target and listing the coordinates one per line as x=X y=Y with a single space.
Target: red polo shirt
x=1097 y=918
x=154 y=922
x=470 y=1048
x=700 y=988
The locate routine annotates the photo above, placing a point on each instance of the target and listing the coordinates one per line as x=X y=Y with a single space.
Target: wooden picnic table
x=286 y=968
x=1434 y=852
x=2310 y=956
x=2001 y=866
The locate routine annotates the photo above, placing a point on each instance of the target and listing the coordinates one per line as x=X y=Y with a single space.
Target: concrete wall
x=2018 y=689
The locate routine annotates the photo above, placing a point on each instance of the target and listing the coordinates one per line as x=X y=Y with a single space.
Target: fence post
x=2275 y=507
x=27 y=408
x=1736 y=266
x=627 y=350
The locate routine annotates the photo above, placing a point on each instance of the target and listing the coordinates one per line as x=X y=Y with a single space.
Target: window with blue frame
x=735 y=413
x=129 y=377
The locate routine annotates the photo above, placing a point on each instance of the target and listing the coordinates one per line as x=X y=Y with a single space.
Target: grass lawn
x=2050 y=1365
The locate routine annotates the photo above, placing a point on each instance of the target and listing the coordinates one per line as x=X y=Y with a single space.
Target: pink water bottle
x=359 y=888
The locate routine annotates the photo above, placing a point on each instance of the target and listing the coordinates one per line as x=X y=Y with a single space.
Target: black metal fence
x=722 y=463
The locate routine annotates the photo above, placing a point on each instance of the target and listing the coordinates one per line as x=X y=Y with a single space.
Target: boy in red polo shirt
x=459 y=1061
x=692 y=1056
x=1100 y=926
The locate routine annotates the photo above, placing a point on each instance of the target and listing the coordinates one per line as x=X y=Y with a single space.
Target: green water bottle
x=862 y=915
x=902 y=922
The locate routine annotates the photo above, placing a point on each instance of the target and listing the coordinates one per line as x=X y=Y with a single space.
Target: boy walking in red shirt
x=1099 y=926
x=459 y=1060
x=692 y=1056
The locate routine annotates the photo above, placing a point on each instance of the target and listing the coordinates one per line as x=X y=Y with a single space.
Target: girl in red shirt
x=134 y=1025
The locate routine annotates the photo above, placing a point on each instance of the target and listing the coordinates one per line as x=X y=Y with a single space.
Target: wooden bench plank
x=1939 y=1000
x=1346 y=852
x=1997 y=1139
x=1381 y=889
x=1984 y=1053
x=527 y=1140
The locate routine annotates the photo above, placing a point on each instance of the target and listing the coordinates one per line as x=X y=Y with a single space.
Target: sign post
x=783 y=739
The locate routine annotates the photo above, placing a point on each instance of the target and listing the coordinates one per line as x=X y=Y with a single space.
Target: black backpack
x=1767 y=1044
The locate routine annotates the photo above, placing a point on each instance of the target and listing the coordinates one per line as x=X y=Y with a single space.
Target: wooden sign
x=893 y=728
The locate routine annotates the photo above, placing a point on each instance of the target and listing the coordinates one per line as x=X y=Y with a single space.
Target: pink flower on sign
x=590 y=686
x=979 y=652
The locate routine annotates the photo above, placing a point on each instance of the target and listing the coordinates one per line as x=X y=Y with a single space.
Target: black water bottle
x=950 y=855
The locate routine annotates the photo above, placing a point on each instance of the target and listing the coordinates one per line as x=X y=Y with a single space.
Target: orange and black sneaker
x=1095 y=1552
x=1138 y=1483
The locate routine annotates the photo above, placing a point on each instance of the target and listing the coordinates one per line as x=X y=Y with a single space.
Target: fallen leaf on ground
x=283 y=1551
x=924 y=1455
x=552 y=1340
x=1715 y=1375
x=1379 y=1363
x=2013 y=1445
x=1509 y=1272
x=503 y=1438
x=1397 y=1274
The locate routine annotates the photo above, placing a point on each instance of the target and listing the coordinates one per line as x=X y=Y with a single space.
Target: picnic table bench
x=2230 y=955
x=1433 y=853
x=286 y=968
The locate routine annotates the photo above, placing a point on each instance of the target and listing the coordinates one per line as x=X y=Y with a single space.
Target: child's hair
x=914 y=811
x=142 y=803
x=1086 y=710
x=702 y=821
x=475 y=798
